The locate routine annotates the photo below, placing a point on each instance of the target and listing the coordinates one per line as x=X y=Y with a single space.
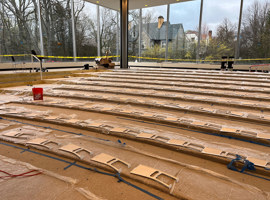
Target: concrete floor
x=188 y=124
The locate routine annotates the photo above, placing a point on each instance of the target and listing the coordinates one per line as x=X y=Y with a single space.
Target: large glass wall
x=88 y=18
x=56 y=27
x=223 y=20
x=163 y=32
x=219 y=31
x=185 y=14
x=143 y=25
x=255 y=31
x=150 y=39
x=20 y=31
x=87 y=31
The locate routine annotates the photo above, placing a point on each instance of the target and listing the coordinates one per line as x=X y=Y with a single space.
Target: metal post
x=167 y=31
x=140 y=35
x=199 y=34
x=124 y=33
x=40 y=30
x=3 y=44
x=2 y=35
x=41 y=38
x=98 y=32
x=236 y=56
x=73 y=31
x=1 y=25
x=117 y=37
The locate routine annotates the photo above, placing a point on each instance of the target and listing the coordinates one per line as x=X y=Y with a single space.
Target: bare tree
x=18 y=13
x=226 y=33
x=255 y=31
x=108 y=29
x=20 y=29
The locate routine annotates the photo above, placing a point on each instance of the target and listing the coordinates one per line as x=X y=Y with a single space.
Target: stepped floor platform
x=140 y=133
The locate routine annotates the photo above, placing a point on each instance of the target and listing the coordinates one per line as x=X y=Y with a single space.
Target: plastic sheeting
x=106 y=126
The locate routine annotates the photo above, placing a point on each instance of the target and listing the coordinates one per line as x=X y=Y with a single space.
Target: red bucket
x=37 y=93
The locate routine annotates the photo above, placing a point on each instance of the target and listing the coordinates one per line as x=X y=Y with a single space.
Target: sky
x=187 y=13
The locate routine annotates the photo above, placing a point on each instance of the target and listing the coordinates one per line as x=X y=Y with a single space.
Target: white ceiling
x=134 y=4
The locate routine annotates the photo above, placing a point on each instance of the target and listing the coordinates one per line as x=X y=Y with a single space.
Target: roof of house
x=155 y=33
x=192 y=32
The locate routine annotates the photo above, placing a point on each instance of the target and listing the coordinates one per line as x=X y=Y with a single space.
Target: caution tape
x=77 y=57
x=137 y=57
x=14 y=55
x=67 y=57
